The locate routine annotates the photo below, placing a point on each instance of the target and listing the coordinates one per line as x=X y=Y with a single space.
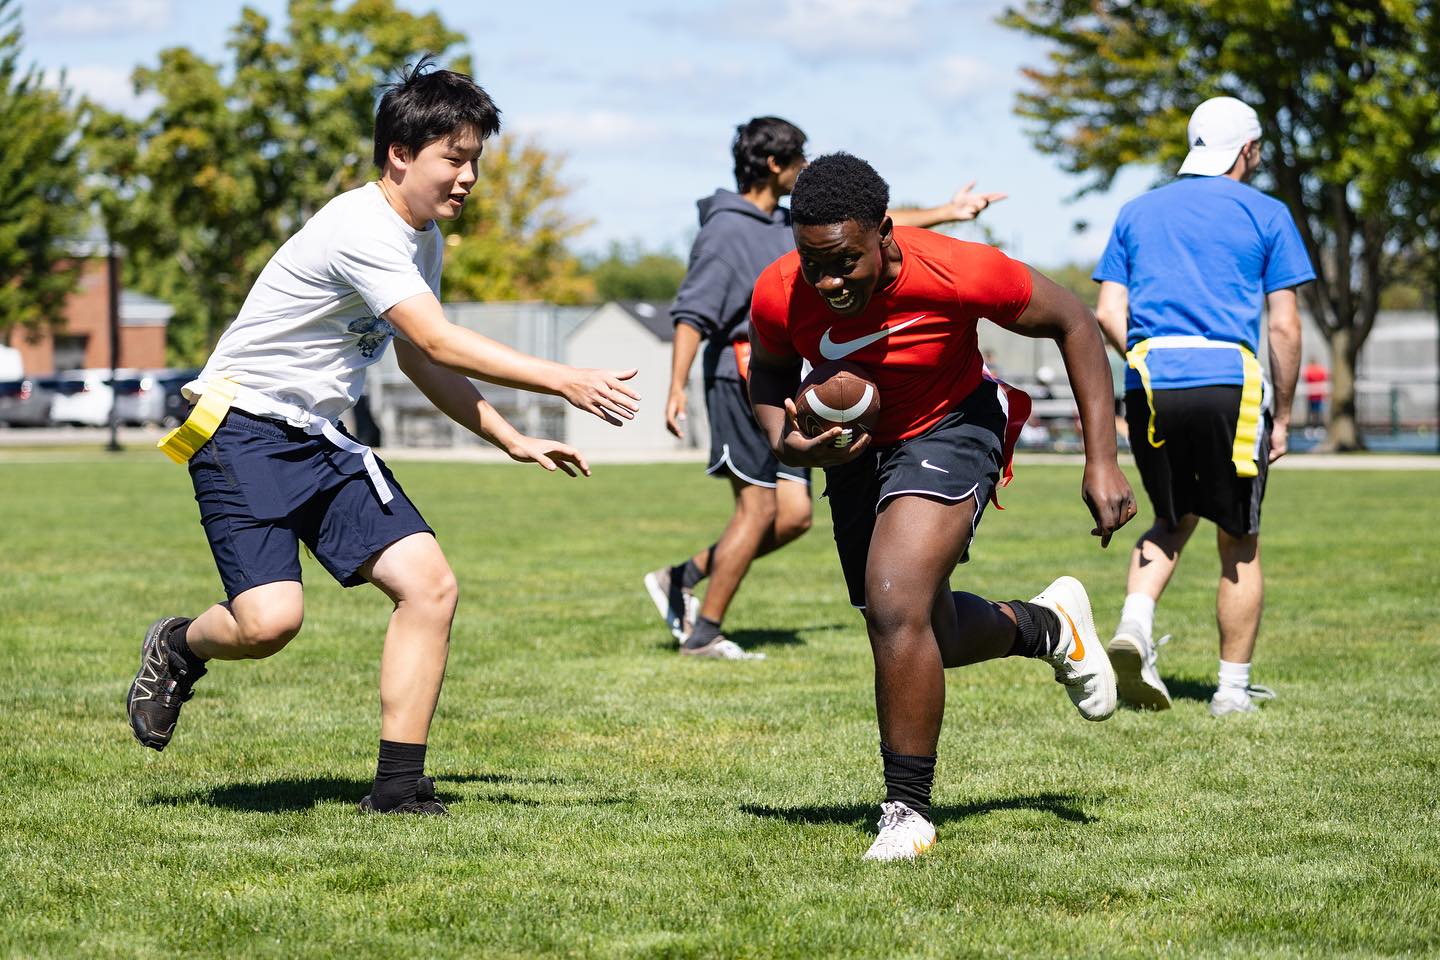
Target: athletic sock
x=705 y=631
x=690 y=573
x=1037 y=630
x=397 y=774
x=908 y=779
x=1140 y=611
x=1234 y=676
x=176 y=643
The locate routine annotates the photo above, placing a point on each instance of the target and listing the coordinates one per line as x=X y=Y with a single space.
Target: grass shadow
x=766 y=638
x=289 y=794
x=863 y=814
x=1190 y=689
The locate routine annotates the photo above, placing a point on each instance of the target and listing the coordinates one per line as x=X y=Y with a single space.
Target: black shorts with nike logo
x=958 y=458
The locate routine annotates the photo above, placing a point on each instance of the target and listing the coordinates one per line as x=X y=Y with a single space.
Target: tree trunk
x=1343 y=431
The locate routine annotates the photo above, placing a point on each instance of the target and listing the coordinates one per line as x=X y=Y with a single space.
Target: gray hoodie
x=737 y=242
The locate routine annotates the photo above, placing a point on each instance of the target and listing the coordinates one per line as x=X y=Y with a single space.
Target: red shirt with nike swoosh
x=916 y=337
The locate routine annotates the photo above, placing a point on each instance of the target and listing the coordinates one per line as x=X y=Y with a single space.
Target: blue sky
x=642 y=96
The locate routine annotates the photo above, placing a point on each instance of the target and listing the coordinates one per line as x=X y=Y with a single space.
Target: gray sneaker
x=1228 y=701
x=676 y=603
x=1133 y=657
x=721 y=649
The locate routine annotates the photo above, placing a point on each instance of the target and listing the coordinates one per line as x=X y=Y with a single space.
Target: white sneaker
x=677 y=605
x=1079 y=660
x=904 y=834
x=1229 y=700
x=721 y=649
x=1136 y=679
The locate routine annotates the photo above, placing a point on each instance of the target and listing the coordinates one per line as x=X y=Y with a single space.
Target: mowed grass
x=610 y=799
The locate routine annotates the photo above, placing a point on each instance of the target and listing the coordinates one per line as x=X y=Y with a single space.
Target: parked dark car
x=26 y=403
x=176 y=407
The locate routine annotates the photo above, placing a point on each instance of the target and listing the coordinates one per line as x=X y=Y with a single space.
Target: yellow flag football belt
x=1252 y=394
x=181 y=443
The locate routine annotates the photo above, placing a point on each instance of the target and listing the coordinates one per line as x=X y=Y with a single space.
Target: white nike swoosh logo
x=831 y=350
x=930 y=466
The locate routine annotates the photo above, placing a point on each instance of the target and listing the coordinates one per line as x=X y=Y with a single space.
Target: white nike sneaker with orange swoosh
x=904 y=834
x=1080 y=662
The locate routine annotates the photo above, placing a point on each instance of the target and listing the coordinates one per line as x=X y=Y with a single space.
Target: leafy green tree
x=510 y=243
x=236 y=157
x=633 y=273
x=1349 y=98
x=39 y=180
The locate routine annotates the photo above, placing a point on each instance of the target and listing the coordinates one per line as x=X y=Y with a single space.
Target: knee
x=890 y=617
x=759 y=509
x=791 y=527
x=437 y=591
x=264 y=633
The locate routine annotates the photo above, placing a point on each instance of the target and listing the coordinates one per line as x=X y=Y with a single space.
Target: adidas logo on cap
x=1199 y=142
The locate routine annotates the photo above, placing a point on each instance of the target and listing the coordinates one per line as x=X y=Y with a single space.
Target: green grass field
x=610 y=799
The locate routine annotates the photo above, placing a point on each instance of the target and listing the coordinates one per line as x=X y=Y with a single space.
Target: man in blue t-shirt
x=1182 y=284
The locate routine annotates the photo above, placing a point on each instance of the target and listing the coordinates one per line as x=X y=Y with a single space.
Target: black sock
x=397 y=774
x=690 y=572
x=1037 y=630
x=176 y=643
x=908 y=779
x=705 y=631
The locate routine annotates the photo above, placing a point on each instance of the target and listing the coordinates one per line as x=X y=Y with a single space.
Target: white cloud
x=818 y=29
x=107 y=86
x=959 y=77
x=579 y=129
x=107 y=16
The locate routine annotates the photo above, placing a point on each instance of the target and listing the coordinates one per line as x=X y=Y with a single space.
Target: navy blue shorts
x=737 y=444
x=958 y=458
x=265 y=487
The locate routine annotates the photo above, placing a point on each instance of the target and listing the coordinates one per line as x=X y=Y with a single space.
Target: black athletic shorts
x=1193 y=470
x=737 y=444
x=958 y=458
x=264 y=487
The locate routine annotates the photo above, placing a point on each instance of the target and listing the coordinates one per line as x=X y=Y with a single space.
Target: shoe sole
x=662 y=603
x=151 y=636
x=1134 y=687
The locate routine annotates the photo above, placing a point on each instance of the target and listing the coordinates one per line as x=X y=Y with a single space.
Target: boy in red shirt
x=905 y=500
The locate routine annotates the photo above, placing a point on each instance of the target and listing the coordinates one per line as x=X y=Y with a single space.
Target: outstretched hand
x=798 y=450
x=550 y=454
x=967 y=206
x=602 y=393
x=1111 y=501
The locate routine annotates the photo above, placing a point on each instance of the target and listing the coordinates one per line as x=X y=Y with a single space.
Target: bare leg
x=414 y=573
x=753 y=519
x=1240 y=597
x=1156 y=555
x=255 y=625
x=915 y=545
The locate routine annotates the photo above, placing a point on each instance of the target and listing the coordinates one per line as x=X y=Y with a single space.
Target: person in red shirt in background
x=1316 y=386
x=905 y=500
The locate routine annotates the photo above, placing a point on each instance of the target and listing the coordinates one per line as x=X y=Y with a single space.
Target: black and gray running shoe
x=422 y=805
x=161 y=686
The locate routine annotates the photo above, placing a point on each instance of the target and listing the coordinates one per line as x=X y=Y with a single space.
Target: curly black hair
x=839 y=187
x=756 y=141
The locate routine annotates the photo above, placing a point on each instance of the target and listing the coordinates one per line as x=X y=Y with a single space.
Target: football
x=838 y=394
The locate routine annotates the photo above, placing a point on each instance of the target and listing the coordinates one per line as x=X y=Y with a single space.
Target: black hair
x=756 y=141
x=839 y=187
x=426 y=105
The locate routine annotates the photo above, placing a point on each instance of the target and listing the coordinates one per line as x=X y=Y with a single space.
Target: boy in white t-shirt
x=271 y=468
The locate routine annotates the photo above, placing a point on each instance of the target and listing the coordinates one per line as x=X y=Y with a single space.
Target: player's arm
x=682 y=357
x=964 y=205
x=455 y=396
x=601 y=392
x=1056 y=314
x=774 y=378
x=1113 y=312
x=1283 y=328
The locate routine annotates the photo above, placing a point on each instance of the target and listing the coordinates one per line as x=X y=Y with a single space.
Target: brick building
x=84 y=338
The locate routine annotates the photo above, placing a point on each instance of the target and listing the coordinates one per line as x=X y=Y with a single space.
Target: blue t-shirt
x=1198 y=257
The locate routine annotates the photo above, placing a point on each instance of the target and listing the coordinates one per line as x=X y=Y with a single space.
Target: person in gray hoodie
x=741 y=233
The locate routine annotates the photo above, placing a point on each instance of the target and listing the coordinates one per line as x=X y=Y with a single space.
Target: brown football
x=838 y=394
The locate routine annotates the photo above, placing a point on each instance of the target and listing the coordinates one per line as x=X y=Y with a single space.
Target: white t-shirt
x=311 y=324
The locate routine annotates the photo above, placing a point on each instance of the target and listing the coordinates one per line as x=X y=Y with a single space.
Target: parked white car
x=83 y=398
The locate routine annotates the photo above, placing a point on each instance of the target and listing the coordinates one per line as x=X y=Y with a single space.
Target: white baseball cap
x=1218 y=128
